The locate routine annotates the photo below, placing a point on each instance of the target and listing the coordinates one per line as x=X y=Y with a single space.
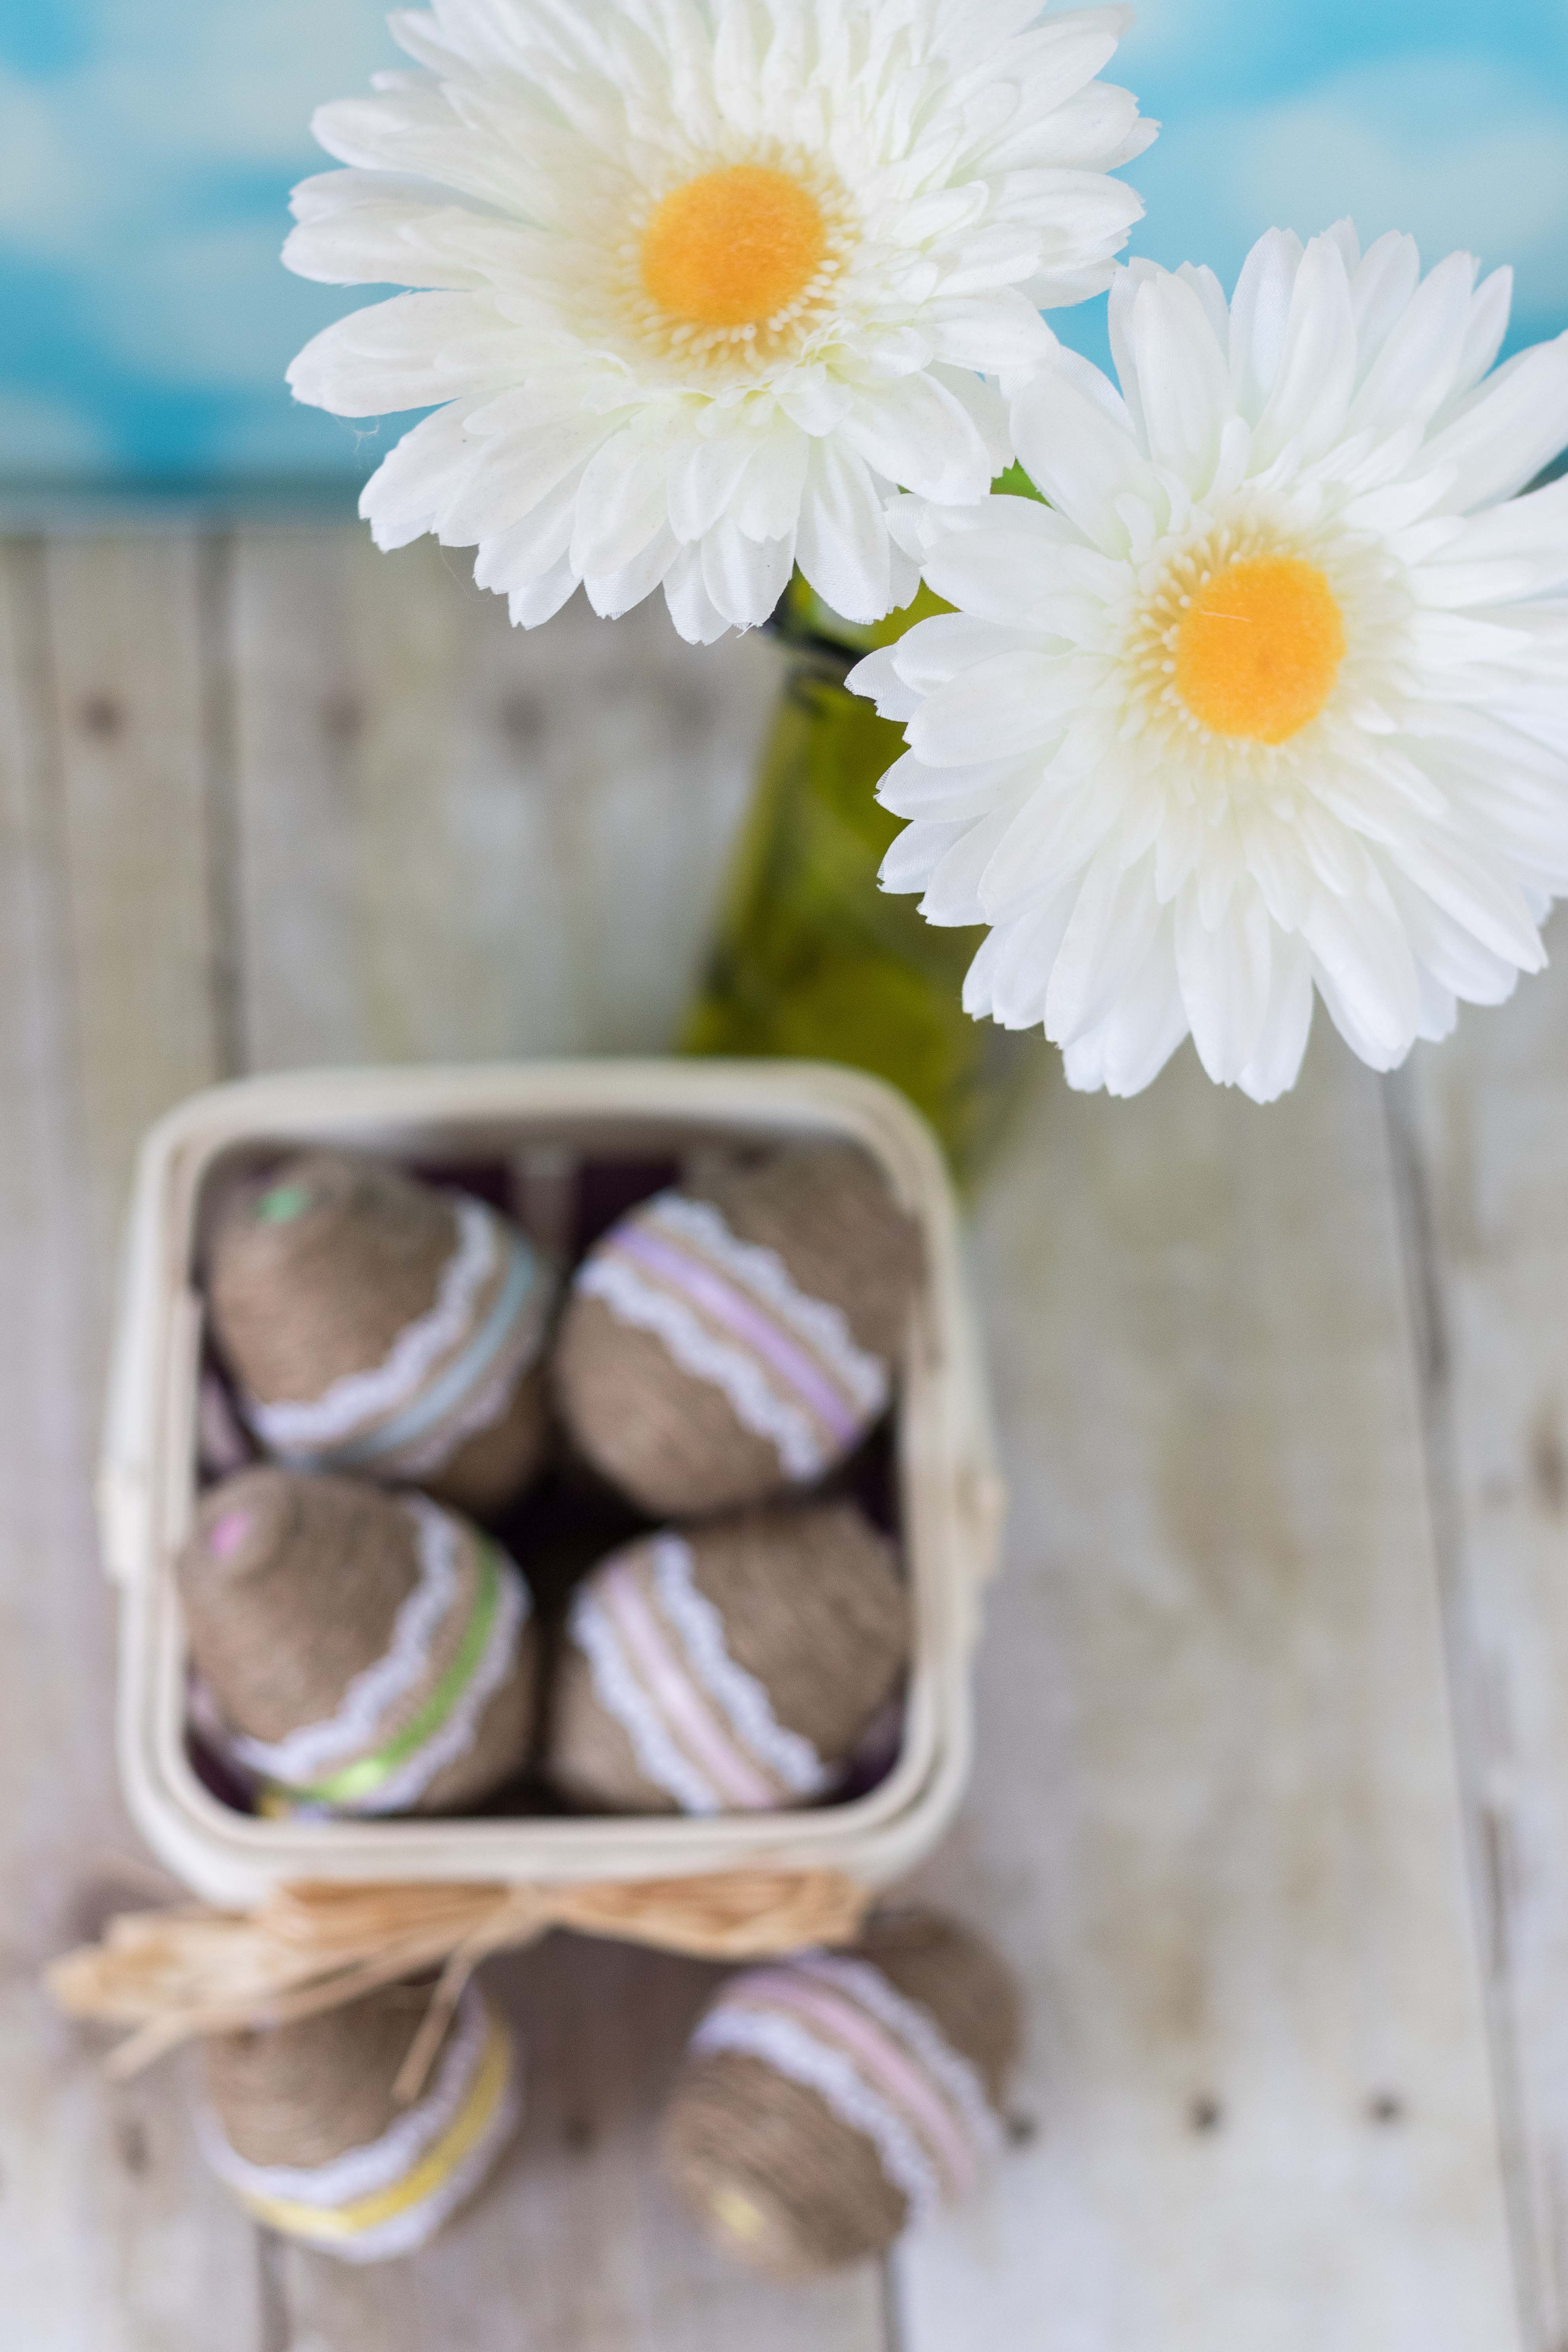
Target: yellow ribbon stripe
x=334 y=2222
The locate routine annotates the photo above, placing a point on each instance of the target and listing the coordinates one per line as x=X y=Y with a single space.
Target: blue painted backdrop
x=147 y=146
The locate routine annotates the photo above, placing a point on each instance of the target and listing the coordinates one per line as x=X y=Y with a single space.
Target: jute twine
x=175 y=1975
x=773 y=2169
x=302 y=2094
x=315 y=1273
x=673 y=1439
x=293 y=1587
x=304 y=2126
x=812 y=1610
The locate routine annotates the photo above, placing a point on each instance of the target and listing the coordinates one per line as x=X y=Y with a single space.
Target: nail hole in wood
x=523 y=721
x=690 y=709
x=1205 y=2114
x=102 y=716
x=342 y=718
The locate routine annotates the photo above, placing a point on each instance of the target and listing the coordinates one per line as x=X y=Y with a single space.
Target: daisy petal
x=1317 y=365
x=916 y=433
x=745 y=577
x=1113 y=928
x=1225 y=975
x=542 y=598
x=1183 y=386
x=1505 y=431
x=692 y=608
x=1275 y=1063
x=418 y=478
x=1516 y=550
x=1366 y=974
x=999 y=708
x=1133 y=1045
x=1259 y=318
x=410 y=352
x=611 y=594
x=1081 y=455
x=844 y=549
x=1411 y=377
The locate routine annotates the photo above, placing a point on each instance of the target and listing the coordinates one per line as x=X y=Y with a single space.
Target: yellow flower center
x=734 y=247
x=1259 y=648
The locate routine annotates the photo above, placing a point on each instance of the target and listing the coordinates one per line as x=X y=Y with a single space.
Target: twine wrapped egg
x=828 y=2102
x=735 y=1339
x=732 y=1668
x=376 y=1324
x=302 y=2122
x=367 y=1653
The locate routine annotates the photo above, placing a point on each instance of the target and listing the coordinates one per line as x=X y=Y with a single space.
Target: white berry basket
x=536 y=1115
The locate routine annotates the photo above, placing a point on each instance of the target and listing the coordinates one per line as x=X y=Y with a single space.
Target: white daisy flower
x=1274 y=696
x=707 y=280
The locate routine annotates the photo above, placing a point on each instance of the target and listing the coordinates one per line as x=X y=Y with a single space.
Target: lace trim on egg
x=954 y=2074
x=824 y=1326
x=619 y=1690
x=356 y=1729
x=360 y=1399
x=382 y=2163
x=754 y=1401
x=456 y=1735
x=389 y=2160
x=790 y=1757
x=791 y=2049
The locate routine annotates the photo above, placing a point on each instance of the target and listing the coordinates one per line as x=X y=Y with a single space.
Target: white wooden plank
x=1214 y=1819
x=456 y=840
x=459 y=840
x=133 y=722
x=1488 y=1121
x=112 y=2236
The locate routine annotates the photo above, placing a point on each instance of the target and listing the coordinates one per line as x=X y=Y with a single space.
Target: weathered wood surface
x=1215 y=1816
x=1485 y=1126
x=277 y=801
x=457 y=841
x=113 y=2237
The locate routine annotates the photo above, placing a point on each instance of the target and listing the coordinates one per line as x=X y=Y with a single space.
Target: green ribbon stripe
x=357 y=1782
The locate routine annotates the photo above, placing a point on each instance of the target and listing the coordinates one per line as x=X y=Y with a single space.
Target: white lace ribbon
x=702 y=1728
x=882 y=2062
x=385 y=1414
x=789 y=1757
x=620 y=1689
x=794 y=2050
x=957 y=2078
x=356 y=1728
x=823 y=1327
x=359 y=1398
x=719 y=1363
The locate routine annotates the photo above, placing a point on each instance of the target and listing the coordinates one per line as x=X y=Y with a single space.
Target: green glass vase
x=811 y=959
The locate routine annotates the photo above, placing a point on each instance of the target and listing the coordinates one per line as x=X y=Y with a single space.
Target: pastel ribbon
x=332 y=2223
x=361 y=1779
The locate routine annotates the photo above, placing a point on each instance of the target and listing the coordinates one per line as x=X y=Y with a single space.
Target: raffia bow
x=175 y=1974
